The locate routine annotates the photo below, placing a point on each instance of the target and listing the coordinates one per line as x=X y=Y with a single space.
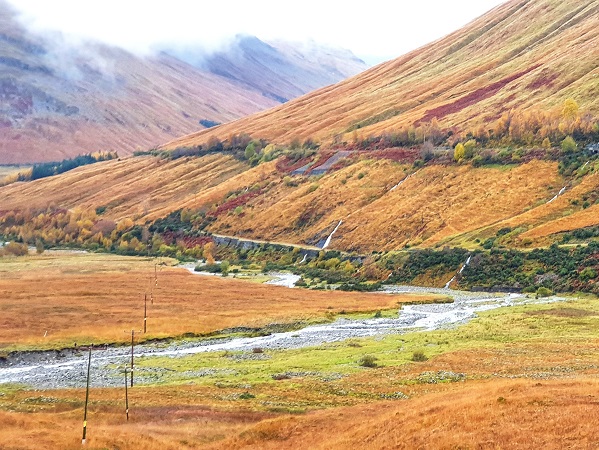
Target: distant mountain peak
x=519 y=56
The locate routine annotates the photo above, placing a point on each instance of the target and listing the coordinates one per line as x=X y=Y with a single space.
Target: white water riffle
x=328 y=241
x=283 y=279
x=49 y=371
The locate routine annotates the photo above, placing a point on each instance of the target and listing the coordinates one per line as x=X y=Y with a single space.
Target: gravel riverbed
x=67 y=368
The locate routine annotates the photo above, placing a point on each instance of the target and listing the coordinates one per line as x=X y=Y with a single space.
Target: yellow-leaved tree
x=459 y=152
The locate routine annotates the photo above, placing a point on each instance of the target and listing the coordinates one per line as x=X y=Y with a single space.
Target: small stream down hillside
x=327 y=242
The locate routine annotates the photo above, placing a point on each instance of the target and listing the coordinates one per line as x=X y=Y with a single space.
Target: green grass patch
x=569 y=321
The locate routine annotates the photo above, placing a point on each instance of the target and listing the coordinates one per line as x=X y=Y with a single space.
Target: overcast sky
x=375 y=30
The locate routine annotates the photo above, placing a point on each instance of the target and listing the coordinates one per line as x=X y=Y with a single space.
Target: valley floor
x=518 y=377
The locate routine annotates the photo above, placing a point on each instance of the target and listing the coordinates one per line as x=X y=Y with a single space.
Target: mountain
x=522 y=55
x=279 y=70
x=59 y=99
x=380 y=198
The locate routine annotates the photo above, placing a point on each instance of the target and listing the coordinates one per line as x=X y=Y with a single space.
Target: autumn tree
x=459 y=152
x=569 y=145
x=570 y=109
x=208 y=249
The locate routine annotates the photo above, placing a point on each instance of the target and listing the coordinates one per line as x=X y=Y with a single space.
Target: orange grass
x=436 y=203
x=142 y=187
x=487 y=414
x=551 y=403
x=82 y=298
x=535 y=40
x=499 y=414
x=439 y=204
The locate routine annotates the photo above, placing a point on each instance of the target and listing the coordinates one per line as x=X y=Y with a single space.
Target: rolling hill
x=437 y=205
x=59 y=99
x=521 y=55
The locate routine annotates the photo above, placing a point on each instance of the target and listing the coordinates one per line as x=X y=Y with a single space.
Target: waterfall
x=328 y=241
x=399 y=184
x=465 y=264
x=403 y=181
x=304 y=259
x=458 y=273
x=561 y=191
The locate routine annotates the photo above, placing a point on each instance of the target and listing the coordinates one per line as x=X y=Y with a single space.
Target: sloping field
x=500 y=414
x=520 y=55
x=131 y=187
x=550 y=216
x=436 y=205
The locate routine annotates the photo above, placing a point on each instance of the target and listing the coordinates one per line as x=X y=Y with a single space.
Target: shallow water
x=51 y=371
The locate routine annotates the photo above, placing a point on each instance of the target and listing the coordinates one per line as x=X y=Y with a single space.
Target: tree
x=570 y=109
x=469 y=147
x=569 y=145
x=250 y=151
x=459 y=152
x=546 y=143
x=208 y=249
x=224 y=267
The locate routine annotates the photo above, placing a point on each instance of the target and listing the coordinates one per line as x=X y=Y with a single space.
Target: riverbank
x=50 y=370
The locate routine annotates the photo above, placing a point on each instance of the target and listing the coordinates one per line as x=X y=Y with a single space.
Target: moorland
x=468 y=167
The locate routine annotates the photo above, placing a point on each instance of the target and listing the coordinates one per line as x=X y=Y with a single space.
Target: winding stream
x=67 y=369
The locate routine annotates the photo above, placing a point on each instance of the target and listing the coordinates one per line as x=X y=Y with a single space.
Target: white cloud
x=379 y=29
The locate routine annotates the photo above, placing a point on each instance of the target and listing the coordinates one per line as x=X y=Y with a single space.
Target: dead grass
x=61 y=299
x=486 y=415
x=524 y=387
x=439 y=204
x=435 y=204
x=139 y=188
x=468 y=75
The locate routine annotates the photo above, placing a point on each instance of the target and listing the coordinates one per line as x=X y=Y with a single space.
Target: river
x=67 y=368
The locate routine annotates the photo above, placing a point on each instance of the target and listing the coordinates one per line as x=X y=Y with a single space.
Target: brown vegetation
x=58 y=299
x=539 y=396
x=490 y=67
x=441 y=203
x=498 y=414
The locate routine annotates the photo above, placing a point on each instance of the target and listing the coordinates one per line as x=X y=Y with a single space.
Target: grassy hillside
x=508 y=180
x=522 y=55
x=383 y=205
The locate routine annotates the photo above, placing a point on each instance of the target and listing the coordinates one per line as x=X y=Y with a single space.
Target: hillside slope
x=378 y=199
x=383 y=205
x=59 y=99
x=522 y=54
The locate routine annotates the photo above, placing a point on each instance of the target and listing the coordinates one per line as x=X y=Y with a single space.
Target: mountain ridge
x=58 y=99
x=551 y=46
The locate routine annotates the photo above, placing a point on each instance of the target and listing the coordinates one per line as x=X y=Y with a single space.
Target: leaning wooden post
x=89 y=363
